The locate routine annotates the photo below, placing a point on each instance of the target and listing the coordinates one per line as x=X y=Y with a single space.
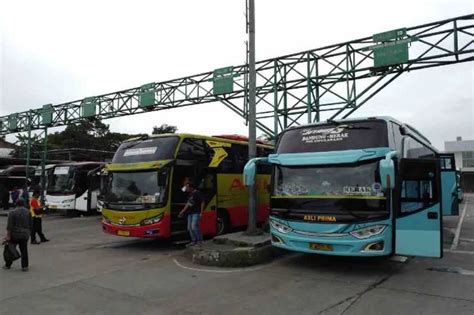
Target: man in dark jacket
x=18 y=232
x=194 y=210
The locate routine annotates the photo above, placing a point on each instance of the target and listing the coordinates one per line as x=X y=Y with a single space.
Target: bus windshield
x=153 y=149
x=340 y=189
x=144 y=187
x=62 y=179
x=334 y=137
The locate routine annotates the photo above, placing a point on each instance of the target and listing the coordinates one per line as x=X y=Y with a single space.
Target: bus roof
x=324 y=122
x=224 y=138
x=385 y=118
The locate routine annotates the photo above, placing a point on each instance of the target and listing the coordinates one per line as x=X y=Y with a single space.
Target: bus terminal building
x=464 y=155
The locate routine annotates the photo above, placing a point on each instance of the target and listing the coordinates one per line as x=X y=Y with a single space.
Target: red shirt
x=34 y=204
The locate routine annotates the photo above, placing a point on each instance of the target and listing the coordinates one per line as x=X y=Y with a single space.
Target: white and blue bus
x=358 y=187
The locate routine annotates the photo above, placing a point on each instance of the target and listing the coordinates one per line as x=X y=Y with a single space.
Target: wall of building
x=467 y=173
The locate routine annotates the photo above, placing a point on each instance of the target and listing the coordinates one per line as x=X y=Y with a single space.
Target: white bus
x=73 y=186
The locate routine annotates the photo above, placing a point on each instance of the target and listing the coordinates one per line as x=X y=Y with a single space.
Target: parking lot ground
x=84 y=271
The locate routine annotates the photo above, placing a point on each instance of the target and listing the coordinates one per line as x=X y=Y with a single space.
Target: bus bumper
x=156 y=230
x=60 y=206
x=379 y=245
x=66 y=202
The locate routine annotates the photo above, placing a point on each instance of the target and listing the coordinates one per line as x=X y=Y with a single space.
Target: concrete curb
x=234 y=250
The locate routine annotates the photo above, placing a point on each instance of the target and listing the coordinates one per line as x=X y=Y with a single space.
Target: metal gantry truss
x=325 y=83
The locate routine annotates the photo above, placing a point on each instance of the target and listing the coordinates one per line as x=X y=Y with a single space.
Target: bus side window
x=417 y=195
x=264 y=168
x=447 y=164
x=192 y=149
x=412 y=149
x=241 y=156
x=397 y=136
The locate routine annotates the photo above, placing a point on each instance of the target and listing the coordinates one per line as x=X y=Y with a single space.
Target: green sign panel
x=147 y=95
x=393 y=34
x=392 y=54
x=47 y=114
x=223 y=71
x=12 y=122
x=89 y=106
x=223 y=80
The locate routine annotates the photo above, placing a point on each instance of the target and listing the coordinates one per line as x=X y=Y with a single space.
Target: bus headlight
x=368 y=231
x=67 y=201
x=282 y=228
x=105 y=219
x=152 y=220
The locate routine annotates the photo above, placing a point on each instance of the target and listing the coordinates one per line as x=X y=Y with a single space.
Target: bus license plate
x=52 y=206
x=123 y=233
x=319 y=246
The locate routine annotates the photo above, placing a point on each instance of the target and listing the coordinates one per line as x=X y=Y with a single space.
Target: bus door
x=418 y=216
x=96 y=179
x=208 y=187
x=449 y=186
x=206 y=184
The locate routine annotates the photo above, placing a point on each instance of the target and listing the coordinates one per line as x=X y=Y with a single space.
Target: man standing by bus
x=36 y=211
x=194 y=209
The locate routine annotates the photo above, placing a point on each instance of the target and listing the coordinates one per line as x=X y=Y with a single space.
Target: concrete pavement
x=83 y=271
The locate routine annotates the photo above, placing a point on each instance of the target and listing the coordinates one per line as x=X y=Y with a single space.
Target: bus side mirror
x=250 y=169
x=249 y=172
x=387 y=173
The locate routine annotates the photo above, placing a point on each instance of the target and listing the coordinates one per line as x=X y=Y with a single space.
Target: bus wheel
x=223 y=222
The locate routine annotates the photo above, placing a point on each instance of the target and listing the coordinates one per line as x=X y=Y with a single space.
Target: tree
x=22 y=146
x=164 y=129
x=90 y=134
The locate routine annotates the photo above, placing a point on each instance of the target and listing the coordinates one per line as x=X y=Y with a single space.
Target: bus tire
x=223 y=222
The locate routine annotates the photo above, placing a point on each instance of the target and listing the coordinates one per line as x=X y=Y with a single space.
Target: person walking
x=18 y=232
x=36 y=211
x=194 y=209
x=15 y=194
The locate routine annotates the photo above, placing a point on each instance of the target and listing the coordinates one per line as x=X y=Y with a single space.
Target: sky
x=60 y=51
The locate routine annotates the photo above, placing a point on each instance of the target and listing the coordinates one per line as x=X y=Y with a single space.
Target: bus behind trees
x=358 y=187
x=142 y=194
x=73 y=186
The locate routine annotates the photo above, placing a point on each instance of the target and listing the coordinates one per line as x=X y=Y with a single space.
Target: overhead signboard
x=47 y=114
x=389 y=35
x=391 y=48
x=147 y=95
x=89 y=106
x=13 y=122
x=391 y=55
x=223 y=80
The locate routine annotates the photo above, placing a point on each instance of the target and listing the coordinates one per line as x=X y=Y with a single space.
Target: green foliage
x=22 y=143
x=164 y=129
x=88 y=134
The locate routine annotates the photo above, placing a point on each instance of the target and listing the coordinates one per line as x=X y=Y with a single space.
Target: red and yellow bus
x=142 y=194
